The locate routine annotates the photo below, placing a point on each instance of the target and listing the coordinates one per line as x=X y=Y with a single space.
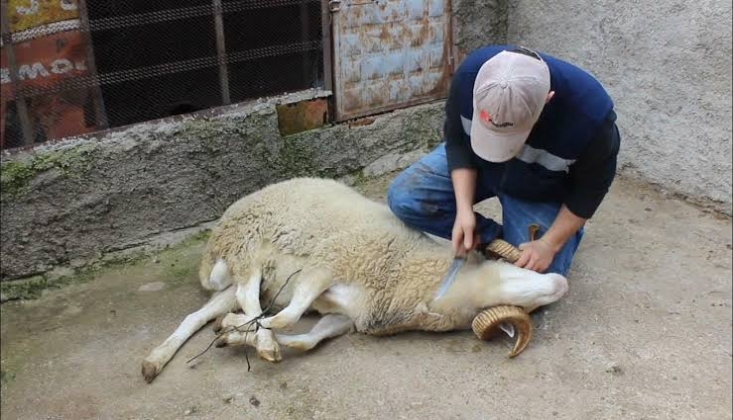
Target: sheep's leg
x=331 y=325
x=248 y=296
x=237 y=338
x=232 y=321
x=219 y=304
x=310 y=285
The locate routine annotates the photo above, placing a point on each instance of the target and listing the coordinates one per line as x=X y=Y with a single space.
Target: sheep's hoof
x=271 y=355
x=302 y=345
x=221 y=342
x=489 y=322
x=149 y=371
x=268 y=349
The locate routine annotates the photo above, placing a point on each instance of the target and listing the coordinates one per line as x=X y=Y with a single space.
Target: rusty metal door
x=389 y=54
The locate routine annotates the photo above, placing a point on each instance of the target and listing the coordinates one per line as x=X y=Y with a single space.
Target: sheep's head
x=493 y=320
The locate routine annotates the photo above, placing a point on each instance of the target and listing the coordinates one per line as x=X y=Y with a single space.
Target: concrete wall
x=667 y=65
x=479 y=22
x=82 y=198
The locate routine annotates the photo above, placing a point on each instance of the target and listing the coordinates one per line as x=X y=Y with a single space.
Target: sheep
x=318 y=245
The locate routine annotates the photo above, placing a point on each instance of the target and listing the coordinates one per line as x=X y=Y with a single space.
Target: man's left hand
x=536 y=255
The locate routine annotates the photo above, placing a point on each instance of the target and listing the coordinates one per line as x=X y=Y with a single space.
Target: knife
x=450 y=277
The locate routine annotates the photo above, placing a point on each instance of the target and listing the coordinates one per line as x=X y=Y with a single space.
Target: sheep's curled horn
x=487 y=323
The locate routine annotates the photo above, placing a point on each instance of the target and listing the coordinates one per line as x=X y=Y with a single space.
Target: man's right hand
x=464 y=228
x=464 y=236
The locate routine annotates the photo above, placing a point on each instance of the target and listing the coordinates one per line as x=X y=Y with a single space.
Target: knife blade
x=450 y=277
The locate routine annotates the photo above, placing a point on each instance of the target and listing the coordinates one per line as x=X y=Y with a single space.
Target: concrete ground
x=644 y=333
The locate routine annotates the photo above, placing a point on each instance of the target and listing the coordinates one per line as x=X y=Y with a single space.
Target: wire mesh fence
x=71 y=67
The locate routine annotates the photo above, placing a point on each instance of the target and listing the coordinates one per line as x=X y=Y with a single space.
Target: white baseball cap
x=509 y=94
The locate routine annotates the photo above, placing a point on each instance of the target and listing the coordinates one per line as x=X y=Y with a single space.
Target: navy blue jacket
x=571 y=154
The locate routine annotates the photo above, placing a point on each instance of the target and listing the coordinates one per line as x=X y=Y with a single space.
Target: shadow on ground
x=645 y=333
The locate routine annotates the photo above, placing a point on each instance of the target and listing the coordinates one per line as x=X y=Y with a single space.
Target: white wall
x=668 y=66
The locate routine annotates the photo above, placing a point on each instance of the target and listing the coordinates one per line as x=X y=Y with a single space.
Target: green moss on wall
x=30 y=288
x=295 y=159
x=15 y=176
x=184 y=270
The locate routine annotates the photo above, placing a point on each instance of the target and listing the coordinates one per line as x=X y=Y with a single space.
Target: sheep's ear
x=507 y=328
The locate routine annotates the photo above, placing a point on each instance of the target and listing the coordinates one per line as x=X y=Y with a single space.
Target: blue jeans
x=422 y=196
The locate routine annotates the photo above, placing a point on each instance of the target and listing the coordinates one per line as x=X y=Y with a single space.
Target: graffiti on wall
x=48 y=51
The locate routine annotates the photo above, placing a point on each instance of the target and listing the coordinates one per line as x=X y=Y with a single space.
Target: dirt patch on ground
x=645 y=333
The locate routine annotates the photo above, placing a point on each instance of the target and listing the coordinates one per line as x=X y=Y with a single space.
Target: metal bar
x=99 y=109
x=452 y=33
x=47 y=29
x=327 y=46
x=304 y=26
x=170 y=68
x=20 y=104
x=221 y=53
x=116 y=22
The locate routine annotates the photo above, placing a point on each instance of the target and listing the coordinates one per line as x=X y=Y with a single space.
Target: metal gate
x=389 y=54
x=70 y=67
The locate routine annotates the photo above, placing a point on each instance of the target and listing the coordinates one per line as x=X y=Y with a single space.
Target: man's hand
x=536 y=255
x=464 y=236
